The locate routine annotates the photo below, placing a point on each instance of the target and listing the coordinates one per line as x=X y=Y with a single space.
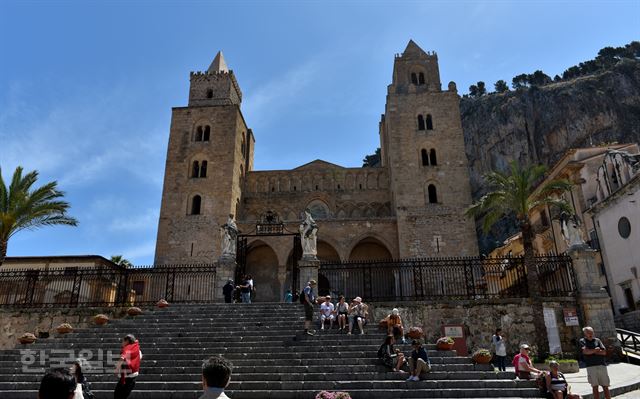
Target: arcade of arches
x=271 y=267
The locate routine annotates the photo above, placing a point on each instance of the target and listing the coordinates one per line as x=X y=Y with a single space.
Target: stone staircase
x=271 y=358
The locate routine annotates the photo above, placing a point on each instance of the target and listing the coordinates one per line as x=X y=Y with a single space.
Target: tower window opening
x=429 y=122
x=338 y=187
x=294 y=188
x=273 y=189
x=203 y=169
x=209 y=93
x=420 y=122
x=195 y=205
x=207 y=133
x=414 y=78
x=433 y=196
x=425 y=157
x=316 y=187
x=360 y=186
x=199 y=133
x=421 y=78
x=432 y=157
x=195 y=170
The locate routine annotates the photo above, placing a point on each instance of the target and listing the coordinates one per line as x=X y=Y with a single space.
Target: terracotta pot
x=27 y=338
x=101 y=319
x=444 y=346
x=64 y=328
x=482 y=358
x=134 y=311
x=415 y=333
x=162 y=303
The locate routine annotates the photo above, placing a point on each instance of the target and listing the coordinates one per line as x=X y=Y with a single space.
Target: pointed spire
x=413 y=48
x=218 y=64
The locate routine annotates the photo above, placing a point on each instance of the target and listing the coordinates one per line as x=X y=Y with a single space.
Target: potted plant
x=27 y=338
x=162 y=304
x=444 y=343
x=482 y=356
x=415 y=333
x=134 y=311
x=101 y=319
x=333 y=395
x=64 y=328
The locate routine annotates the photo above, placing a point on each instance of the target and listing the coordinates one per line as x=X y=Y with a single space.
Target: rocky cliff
x=538 y=124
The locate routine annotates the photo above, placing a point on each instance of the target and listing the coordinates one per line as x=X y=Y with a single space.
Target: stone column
x=225 y=270
x=307 y=270
x=594 y=302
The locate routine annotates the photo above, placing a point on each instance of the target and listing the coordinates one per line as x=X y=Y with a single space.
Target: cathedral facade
x=409 y=205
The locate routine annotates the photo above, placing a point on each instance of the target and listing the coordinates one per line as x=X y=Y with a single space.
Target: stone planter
x=444 y=344
x=482 y=357
x=134 y=311
x=415 y=333
x=162 y=304
x=27 y=338
x=101 y=319
x=64 y=328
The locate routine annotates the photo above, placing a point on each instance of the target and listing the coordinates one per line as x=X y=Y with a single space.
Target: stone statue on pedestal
x=228 y=237
x=308 y=236
x=572 y=231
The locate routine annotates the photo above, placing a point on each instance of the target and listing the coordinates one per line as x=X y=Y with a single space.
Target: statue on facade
x=228 y=236
x=308 y=236
x=572 y=230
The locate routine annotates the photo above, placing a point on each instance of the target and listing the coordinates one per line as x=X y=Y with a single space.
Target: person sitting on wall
x=327 y=310
x=522 y=364
x=358 y=312
x=391 y=357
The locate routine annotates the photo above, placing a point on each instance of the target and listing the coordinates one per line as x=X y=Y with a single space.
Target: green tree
x=473 y=91
x=24 y=208
x=520 y=81
x=501 y=86
x=482 y=90
x=517 y=193
x=121 y=261
x=373 y=160
x=539 y=78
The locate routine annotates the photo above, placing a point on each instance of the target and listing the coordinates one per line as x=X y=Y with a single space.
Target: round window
x=624 y=227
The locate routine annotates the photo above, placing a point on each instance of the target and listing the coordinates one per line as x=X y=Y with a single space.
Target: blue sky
x=86 y=88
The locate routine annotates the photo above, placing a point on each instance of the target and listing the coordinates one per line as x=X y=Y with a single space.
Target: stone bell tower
x=210 y=151
x=423 y=148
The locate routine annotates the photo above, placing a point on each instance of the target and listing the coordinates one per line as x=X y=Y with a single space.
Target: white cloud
x=148 y=220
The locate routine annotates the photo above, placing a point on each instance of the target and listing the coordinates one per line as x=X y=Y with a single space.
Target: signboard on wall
x=570 y=317
x=552 y=330
x=456 y=331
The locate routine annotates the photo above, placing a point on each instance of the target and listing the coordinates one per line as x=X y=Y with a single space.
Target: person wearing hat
x=308 y=299
x=394 y=325
x=357 y=314
x=227 y=291
x=522 y=364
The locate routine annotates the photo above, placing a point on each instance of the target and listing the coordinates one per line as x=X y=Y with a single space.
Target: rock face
x=538 y=124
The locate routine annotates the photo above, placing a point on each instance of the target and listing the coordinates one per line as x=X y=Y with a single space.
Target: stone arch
x=372 y=181
x=262 y=265
x=319 y=209
x=195 y=204
x=369 y=248
x=432 y=193
x=201 y=130
x=384 y=210
x=327 y=251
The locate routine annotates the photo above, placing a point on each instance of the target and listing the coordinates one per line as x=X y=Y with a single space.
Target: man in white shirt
x=327 y=312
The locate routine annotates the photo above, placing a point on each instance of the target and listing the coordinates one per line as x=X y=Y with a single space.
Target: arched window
x=199 y=133
x=203 y=169
x=209 y=93
x=414 y=78
x=195 y=205
x=432 y=157
x=425 y=157
x=195 y=170
x=421 y=78
x=420 y=122
x=207 y=133
x=429 y=122
x=433 y=196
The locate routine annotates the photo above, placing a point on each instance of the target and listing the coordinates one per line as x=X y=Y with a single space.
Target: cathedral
x=409 y=205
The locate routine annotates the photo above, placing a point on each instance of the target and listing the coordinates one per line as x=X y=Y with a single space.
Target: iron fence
x=446 y=278
x=101 y=286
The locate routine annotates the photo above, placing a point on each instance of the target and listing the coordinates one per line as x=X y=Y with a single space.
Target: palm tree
x=22 y=207
x=517 y=193
x=121 y=261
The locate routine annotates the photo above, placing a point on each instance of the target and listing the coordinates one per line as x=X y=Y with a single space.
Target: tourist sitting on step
x=342 y=309
x=557 y=386
x=357 y=314
x=418 y=361
x=327 y=312
x=58 y=383
x=391 y=357
x=522 y=363
x=216 y=374
x=394 y=325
